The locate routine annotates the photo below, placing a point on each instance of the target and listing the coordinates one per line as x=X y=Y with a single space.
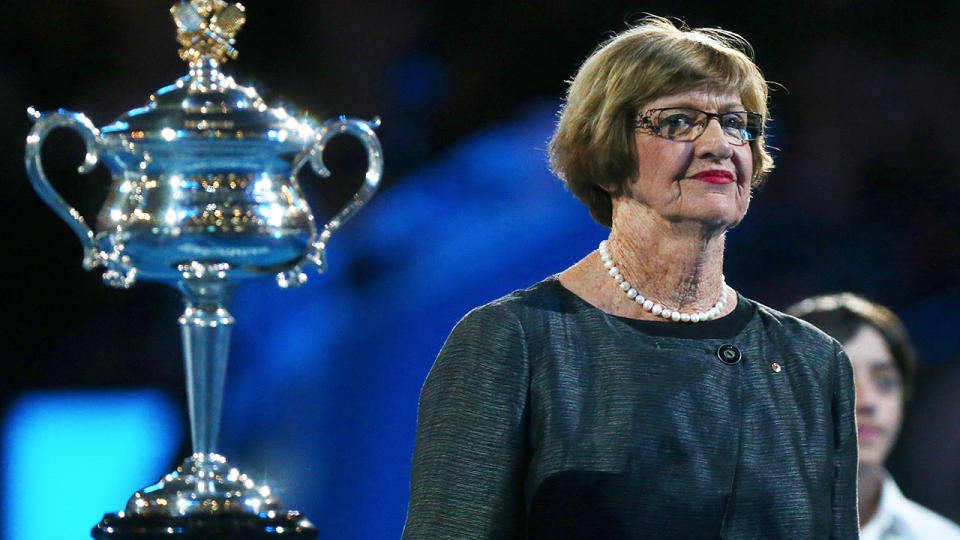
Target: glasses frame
x=644 y=123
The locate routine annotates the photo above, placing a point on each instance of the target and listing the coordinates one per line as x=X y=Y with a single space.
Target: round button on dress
x=728 y=354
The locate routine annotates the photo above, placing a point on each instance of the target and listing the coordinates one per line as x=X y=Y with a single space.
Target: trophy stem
x=205 y=327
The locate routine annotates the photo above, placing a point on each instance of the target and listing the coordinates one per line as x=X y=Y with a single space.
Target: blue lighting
x=116 y=126
x=346 y=354
x=71 y=456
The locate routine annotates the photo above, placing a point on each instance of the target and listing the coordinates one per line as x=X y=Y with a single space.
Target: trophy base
x=204 y=527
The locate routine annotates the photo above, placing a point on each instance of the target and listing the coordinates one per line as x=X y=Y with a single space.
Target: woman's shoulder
x=521 y=315
x=541 y=299
x=804 y=343
x=501 y=328
x=795 y=331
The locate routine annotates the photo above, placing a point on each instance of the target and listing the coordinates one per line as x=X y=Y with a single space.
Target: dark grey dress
x=544 y=417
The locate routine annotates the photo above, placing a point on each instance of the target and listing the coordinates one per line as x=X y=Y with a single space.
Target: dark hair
x=841 y=316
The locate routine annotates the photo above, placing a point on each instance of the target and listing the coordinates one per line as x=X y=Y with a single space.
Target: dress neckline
x=724 y=327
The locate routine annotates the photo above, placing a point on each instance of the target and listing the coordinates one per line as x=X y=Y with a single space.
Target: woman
x=635 y=394
x=884 y=369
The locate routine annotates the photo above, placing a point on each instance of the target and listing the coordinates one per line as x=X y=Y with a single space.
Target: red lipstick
x=714 y=176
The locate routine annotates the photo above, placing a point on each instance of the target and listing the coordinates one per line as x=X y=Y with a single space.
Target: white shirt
x=899 y=518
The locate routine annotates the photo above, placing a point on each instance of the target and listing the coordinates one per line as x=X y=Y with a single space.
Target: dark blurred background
x=323 y=383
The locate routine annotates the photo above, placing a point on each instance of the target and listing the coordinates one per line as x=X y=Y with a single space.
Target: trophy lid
x=206 y=103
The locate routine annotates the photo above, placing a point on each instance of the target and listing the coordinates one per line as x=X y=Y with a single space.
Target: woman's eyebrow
x=733 y=106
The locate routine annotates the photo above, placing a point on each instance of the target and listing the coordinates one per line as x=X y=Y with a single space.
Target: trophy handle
x=362 y=130
x=44 y=123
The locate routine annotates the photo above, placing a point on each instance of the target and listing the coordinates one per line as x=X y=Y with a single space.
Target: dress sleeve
x=845 y=520
x=469 y=462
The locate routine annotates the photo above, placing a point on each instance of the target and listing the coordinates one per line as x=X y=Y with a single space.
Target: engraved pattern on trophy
x=204 y=195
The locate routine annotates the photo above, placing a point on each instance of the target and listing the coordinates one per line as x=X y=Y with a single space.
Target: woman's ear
x=610 y=188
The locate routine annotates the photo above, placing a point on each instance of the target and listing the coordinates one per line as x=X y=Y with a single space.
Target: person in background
x=884 y=368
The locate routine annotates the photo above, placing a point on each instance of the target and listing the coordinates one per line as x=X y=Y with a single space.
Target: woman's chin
x=711 y=218
x=715 y=210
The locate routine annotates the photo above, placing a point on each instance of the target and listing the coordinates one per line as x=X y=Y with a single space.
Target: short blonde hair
x=593 y=143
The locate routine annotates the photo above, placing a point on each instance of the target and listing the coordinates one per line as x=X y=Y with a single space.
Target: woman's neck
x=679 y=265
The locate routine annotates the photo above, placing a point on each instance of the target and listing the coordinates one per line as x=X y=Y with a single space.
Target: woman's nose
x=713 y=142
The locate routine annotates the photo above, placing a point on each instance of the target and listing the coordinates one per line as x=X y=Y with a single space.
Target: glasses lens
x=680 y=124
x=685 y=124
x=754 y=126
x=742 y=126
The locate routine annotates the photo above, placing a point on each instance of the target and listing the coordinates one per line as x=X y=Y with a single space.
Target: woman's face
x=879 y=394
x=706 y=180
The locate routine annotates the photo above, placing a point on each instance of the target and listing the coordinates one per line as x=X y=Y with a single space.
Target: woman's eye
x=677 y=120
x=734 y=122
x=676 y=124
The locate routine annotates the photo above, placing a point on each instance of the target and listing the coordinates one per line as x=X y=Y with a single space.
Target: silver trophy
x=204 y=196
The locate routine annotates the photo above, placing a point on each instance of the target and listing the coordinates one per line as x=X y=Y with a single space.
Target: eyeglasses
x=684 y=124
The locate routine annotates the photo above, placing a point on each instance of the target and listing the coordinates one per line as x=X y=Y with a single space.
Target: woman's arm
x=845 y=522
x=469 y=462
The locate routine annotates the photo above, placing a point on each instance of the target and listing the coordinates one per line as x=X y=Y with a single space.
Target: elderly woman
x=636 y=394
x=884 y=368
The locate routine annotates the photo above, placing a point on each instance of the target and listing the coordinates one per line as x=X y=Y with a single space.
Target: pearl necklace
x=655 y=308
